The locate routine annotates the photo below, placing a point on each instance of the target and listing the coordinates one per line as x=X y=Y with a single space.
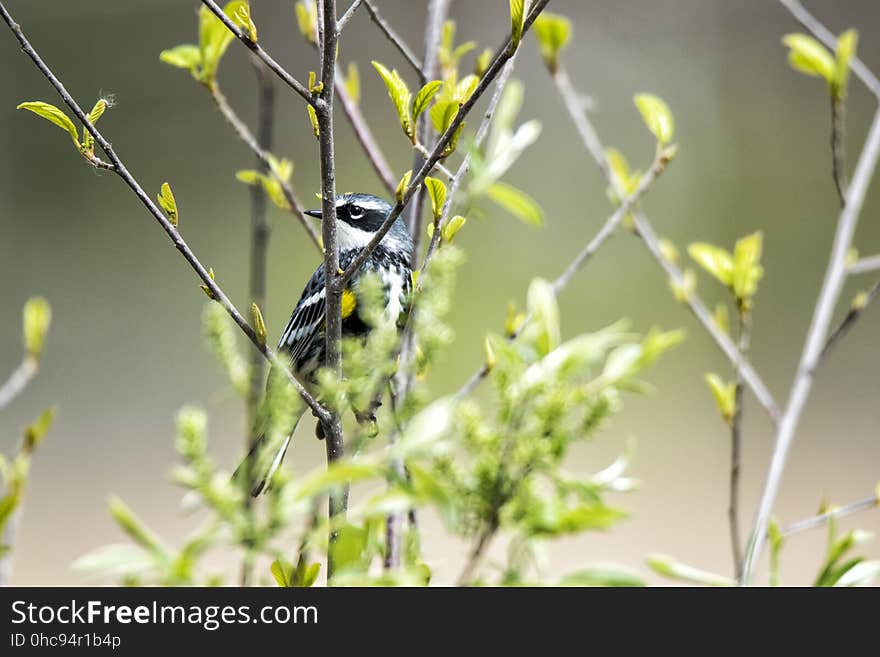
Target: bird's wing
x=307 y=320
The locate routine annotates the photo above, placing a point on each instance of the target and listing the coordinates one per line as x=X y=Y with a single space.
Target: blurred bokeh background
x=126 y=352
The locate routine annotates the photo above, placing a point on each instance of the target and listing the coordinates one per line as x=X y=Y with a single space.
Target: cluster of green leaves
x=203 y=60
x=36 y=319
x=809 y=56
x=280 y=171
x=553 y=32
x=53 y=114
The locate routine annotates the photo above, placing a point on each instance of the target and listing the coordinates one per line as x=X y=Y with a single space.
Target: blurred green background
x=125 y=349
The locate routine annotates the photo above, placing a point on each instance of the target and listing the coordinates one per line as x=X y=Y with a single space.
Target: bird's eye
x=355 y=211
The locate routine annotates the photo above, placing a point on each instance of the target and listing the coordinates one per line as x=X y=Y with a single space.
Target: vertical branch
x=437 y=11
x=744 y=328
x=333 y=287
x=260 y=233
x=838 y=148
x=832 y=286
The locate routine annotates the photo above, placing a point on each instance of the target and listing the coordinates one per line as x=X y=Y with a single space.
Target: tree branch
x=495 y=67
x=852 y=316
x=18 y=380
x=838 y=148
x=347 y=16
x=262 y=154
x=865 y=265
x=172 y=232
x=652 y=242
x=274 y=66
x=823 y=518
x=744 y=327
x=816 y=337
x=333 y=292
x=396 y=41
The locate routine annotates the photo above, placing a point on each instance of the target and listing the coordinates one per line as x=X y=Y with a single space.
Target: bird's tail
x=263 y=460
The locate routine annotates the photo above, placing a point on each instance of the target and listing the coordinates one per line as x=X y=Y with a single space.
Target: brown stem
x=744 y=329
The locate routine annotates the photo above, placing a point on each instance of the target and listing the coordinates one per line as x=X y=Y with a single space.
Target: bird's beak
x=315 y=213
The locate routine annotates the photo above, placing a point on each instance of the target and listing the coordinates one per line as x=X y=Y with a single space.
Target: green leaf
x=36 y=319
x=517 y=19
x=347 y=551
x=484 y=59
x=423 y=98
x=518 y=203
x=656 y=115
x=214 y=38
x=341 y=472
x=241 y=16
x=437 y=193
x=136 y=530
x=553 y=32
x=37 y=430
x=282 y=572
x=352 y=82
x=724 y=394
x=306 y=575
x=53 y=115
x=747 y=269
x=843 y=54
x=313 y=119
x=185 y=56
x=249 y=177
x=97 y=111
x=776 y=540
x=603 y=575
x=668 y=567
x=452 y=227
x=715 y=260
x=401 y=97
x=442 y=114
x=810 y=57
x=403 y=185
x=259 y=324
x=307 y=19
x=544 y=331
x=465 y=88
x=167 y=202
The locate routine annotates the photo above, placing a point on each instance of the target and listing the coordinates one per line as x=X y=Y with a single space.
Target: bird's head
x=359 y=217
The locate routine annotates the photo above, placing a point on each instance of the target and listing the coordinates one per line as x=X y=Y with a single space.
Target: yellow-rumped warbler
x=359 y=217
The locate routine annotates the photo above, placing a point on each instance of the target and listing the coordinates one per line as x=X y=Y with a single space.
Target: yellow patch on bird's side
x=349 y=303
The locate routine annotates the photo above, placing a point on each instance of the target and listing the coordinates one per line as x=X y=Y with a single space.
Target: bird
x=359 y=217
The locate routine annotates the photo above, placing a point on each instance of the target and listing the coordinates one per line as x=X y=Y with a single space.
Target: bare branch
x=347 y=16
x=838 y=146
x=262 y=154
x=865 y=265
x=172 y=232
x=836 y=512
x=644 y=230
x=744 y=327
x=495 y=67
x=398 y=43
x=852 y=316
x=18 y=380
x=333 y=292
x=816 y=339
x=825 y=35
x=274 y=66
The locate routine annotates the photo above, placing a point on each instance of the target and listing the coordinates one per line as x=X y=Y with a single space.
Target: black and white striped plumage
x=359 y=216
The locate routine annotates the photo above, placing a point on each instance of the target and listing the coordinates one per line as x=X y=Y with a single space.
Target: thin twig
x=645 y=231
x=476 y=555
x=172 y=232
x=852 y=316
x=865 y=265
x=423 y=152
x=816 y=339
x=825 y=35
x=262 y=154
x=333 y=293
x=838 y=148
x=398 y=43
x=744 y=328
x=276 y=68
x=347 y=16
x=838 y=512
x=18 y=380
x=437 y=11
x=498 y=62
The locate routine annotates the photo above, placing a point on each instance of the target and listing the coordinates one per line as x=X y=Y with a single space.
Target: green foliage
x=423 y=98
x=739 y=271
x=553 y=32
x=518 y=203
x=222 y=338
x=53 y=115
x=724 y=394
x=517 y=19
x=669 y=567
x=657 y=116
x=401 y=96
x=203 y=60
x=352 y=82
x=36 y=319
x=280 y=173
x=840 y=570
x=307 y=19
x=437 y=194
x=167 y=203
